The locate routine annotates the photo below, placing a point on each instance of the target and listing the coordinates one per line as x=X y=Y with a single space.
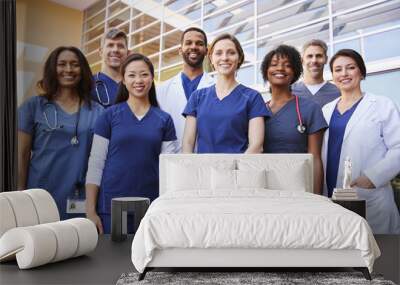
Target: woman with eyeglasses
x=55 y=130
x=128 y=139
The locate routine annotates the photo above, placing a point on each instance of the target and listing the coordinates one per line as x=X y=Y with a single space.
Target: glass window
x=172 y=39
x=211 y=6
x=383 y=45
x=155 y=60
x=229 y=17
x=243 y=32
x=384 y=84
x=119 y=19
x=142 y=21
x=294 y=38
x=93 y=57
x=353 y=44
x=249 y=55
x=170 y=57
x=245 y=75
x=342 y=5
x=188 y=13
x=116 y=8
x=260 y=80
x=95 y=21
x=95 y=67
x=292 y=16
x=94 y=45
x=91 y=34
x=176 y=5
x=148 y=48
x=368 y=19
x=170 y=72
x=95 y=8
x=146 y=34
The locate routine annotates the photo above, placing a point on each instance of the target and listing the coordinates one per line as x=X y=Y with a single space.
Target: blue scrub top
x=103 y=82
x=337 y=128
x=326 y=94
x=222 y=125
x=281 y=134
x=56 y=165
x=189 y=86
x=131 y=167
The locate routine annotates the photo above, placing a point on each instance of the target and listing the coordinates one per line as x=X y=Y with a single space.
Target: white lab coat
x=372 y=141
x=172 y=99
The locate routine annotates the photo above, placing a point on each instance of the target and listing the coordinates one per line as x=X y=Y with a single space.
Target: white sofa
x=237 y=210
x=31 y=231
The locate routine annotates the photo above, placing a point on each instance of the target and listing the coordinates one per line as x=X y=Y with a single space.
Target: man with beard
x=173 y=94
x=314 y=86
x=113 y=51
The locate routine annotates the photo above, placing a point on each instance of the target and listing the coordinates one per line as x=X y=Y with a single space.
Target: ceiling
x=75 y=4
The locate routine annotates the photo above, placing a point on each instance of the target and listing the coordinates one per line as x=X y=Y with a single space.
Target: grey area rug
x=243 y=278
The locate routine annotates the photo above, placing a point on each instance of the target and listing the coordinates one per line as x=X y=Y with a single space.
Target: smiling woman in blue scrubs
x=128 y=140
x=227 y=117
x=55 y=129
x=297 y=124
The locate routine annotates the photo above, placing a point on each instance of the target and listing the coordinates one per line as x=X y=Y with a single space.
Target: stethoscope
x=74 y=140
x=301 y=128
x=102 y=84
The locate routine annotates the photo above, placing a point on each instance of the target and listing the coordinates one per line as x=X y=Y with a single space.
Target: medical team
x=69 y=144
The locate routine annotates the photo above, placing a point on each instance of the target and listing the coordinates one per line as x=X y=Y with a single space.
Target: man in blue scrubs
x=113 y=51
x=174 y=93
x=314 y=86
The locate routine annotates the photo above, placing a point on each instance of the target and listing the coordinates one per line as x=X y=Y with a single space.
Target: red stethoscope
x=301 y=128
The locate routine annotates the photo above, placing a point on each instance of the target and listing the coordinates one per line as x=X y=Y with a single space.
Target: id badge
x=76 y=206
x=76 y=203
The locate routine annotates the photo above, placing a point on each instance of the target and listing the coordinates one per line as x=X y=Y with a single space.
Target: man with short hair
x=314 y=58
x=173 y=94
x=113 y=51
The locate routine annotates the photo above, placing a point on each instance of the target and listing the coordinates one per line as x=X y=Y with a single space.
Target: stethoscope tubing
x=101 y=82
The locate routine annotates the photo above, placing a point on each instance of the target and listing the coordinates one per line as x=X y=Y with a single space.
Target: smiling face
x=137 y=79
x=193 y=49
x=346 y=73
x=113 y=52
x=314 y=59
x=225 y=57
x=68 y=69
x=280 y=71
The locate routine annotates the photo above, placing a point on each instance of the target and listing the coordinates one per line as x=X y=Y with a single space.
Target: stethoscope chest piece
x=301 y=128
x=74 y=141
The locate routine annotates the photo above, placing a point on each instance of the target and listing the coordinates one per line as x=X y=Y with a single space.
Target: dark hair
x=194 y=29
x=353 y=55
x=235 y=42
x=283 y=51
x=123 y=93
x=48 y=85
x=114 y=33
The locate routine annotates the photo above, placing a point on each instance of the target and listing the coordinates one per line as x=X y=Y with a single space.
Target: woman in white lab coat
x=365 y=128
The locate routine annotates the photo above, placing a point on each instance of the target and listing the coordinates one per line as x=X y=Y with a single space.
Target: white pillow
x=193 y=175
x=223 y=179
x=251 y=178
x=226 y=179
x=281 y=174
